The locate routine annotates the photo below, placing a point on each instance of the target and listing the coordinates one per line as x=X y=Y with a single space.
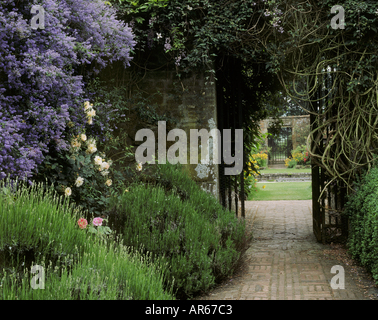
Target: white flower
x=139 y=167
x=108 y=182
x=75 y=144
x=91 y=141
x=67 y=192
x=105 y=166
x=83 y=137
x=98 y=160
x=86 y=105
x=79 y=181
x=91 y=113
x=189 y=7
x=159 y=36
x=91 y=148
x=90 y=121
x=105 y=173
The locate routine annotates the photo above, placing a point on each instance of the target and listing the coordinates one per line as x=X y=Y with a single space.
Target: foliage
x=335 y=63
x=104 y=272
x=186 y=227
x=259 y=150
x=300 y=157
x=206 y=37
x=290 y=162
x=249 y=184
x=302 y=131
x=43 y=74
x=33 y=219
x=261 y=159
x=39 y=227
x=361 y=210
x=256 y=161
x=258 y=158
x=291 y=39
x=82 y=172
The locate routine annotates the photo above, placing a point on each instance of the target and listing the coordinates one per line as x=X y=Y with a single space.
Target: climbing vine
x=291 y=41
x=338 y=64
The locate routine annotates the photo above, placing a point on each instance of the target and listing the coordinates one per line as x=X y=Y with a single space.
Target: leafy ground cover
x=282 y=191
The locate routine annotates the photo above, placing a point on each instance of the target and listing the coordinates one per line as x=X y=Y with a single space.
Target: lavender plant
x=43 y=74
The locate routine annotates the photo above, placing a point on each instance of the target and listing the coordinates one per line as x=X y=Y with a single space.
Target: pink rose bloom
x=82 y=223
x=97 y=221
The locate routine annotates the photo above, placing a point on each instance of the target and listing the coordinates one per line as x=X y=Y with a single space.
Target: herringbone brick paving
x=285 y=262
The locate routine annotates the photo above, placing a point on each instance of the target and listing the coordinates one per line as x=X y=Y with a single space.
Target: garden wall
x=185 y=104
x=300 y=128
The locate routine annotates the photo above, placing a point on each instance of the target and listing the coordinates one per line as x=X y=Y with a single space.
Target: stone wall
x=300 y=128
x=187 y=104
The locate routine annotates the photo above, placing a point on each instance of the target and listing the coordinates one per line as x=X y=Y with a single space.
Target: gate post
x=315 y=173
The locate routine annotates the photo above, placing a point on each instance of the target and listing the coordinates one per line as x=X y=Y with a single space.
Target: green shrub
x=186 y=227
x=37 y=219
x=290 y=163
x=249 y=185
x=362 y=210
x=39 y=227
x=104 y=272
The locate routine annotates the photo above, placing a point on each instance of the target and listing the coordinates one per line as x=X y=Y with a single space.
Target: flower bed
x=300 y=158
x=37 y=227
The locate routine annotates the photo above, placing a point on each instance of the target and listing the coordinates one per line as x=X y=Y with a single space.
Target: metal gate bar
x=280 y=149
x=329 y=225
x=230 y=117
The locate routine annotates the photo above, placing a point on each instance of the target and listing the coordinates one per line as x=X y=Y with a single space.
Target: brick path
x=285 y=261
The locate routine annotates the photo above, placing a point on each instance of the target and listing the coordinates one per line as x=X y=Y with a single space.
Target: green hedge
x=39 y=227
x=362 y=210
x=184 y=226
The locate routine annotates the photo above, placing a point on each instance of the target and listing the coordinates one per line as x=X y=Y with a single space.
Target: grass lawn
x=282 y=191
x=285 y=171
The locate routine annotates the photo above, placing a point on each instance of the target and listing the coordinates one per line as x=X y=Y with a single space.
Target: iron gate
x=329 y=223
x=230 y=116
x=281 y=146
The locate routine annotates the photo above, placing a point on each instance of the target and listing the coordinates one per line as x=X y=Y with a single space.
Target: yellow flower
x=263 y=187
